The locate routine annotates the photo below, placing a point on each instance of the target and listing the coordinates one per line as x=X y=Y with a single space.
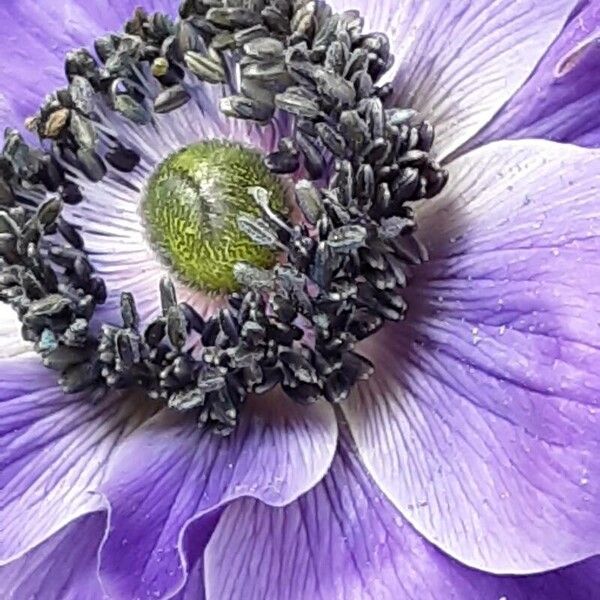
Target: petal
x=7 y=114
x=194 y=585
x=10 y=334
x=36 y=35
x=560 y=101
x=172 y=472
x=457 y=61
x=575 y=582
x=65 y=567
x=482 y=422
x=54 y=453
x=197 y=537
x=344 y=540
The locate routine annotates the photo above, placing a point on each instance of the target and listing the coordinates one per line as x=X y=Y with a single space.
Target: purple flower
x=466 y=466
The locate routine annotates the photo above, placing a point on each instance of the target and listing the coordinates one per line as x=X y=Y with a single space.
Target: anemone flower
x=233 y=367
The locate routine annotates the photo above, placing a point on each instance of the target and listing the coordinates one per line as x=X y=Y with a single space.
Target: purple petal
x=458 y=62
x=10 y=333
x=54 y=453
x=194 y=585
x=171 y=472
x=109 y=217
x=344 y=540
x=196 y=538
x=482 y=422
x=560 y=101
x=7 y=114
x=36 y=35
x=65 y=567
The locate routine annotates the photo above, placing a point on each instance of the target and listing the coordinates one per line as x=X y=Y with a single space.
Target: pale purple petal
x=7 y=114
x=482 y=422
x=172 y=472
x=65 y=567
x=344 y=540
x=54 y=453
x=560 y=102
x=10 y=333
x=36 y=34
x=196 y=539
x=459 y=61
x=194 y=585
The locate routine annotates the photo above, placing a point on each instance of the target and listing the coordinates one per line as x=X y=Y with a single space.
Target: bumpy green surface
x=191 y=207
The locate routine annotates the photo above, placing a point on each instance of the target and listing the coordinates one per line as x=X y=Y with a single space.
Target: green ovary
x=191 y=208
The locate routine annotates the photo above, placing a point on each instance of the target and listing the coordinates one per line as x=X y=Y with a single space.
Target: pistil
x=192 y=206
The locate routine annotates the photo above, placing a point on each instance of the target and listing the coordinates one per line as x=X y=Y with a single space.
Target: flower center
x=213 y=209
x=191 y=210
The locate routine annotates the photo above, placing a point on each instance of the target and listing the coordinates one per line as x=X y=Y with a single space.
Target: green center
x=191 y=208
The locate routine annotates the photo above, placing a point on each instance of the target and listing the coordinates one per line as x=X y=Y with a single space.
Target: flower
x=466 y=466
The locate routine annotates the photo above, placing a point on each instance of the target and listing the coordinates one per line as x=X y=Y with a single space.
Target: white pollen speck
x=502 y=329
x=555 y=251
x=584 y=481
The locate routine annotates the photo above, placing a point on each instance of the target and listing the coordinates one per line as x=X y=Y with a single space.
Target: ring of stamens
x=344 y=263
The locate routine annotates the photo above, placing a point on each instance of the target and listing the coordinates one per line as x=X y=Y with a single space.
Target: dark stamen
x=345 y=264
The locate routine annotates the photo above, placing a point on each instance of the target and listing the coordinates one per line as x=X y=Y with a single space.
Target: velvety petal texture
x=197 y=536
x=36 y=35
x=560 y=101
x=344 y=540
x=65 y=567
x=54 y=453
x=171 y=473
x=194 y=586
x=459 y=61
x=12 y=342
x=482 y=422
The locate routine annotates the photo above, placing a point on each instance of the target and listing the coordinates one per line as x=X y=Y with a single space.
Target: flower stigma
x=192 y=206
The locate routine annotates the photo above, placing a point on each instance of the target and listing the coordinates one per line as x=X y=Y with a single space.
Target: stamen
x=357 y=164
